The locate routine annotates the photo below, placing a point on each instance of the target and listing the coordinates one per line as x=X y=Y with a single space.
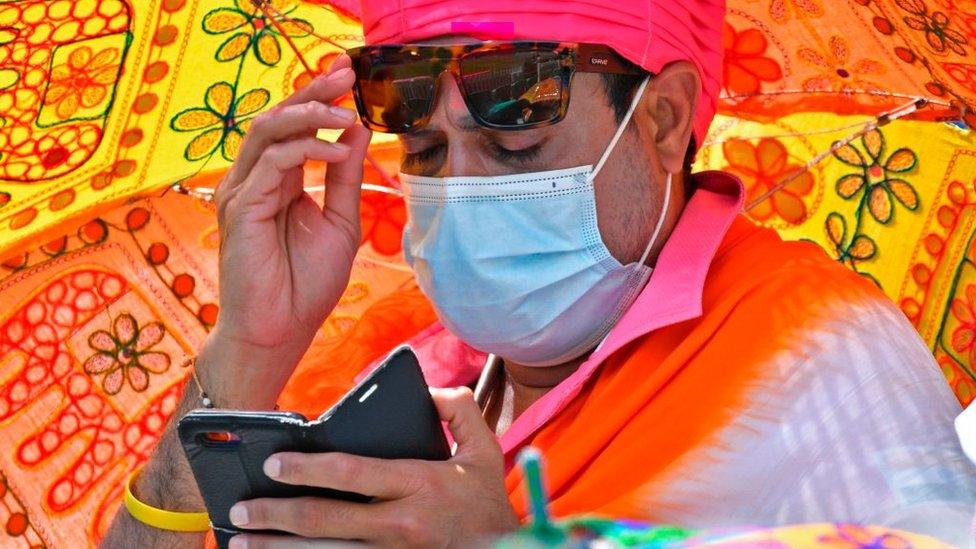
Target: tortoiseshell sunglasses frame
x=572 y=57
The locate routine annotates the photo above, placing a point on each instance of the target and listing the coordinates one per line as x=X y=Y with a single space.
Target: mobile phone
x=389 y=414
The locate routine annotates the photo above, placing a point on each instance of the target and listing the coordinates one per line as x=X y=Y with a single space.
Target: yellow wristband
x=162 y=519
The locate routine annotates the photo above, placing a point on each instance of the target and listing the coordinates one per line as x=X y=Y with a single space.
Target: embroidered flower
x=383 y=218
x=850 y=251
x=762 y=167
x=83 y=81
x=781 y=10
x=877 y=175
x=964 y=336
x=125 y=354
x=746 y=64
x=935 y=26
x=837 y=71
x=224 y=120
x=254 y=30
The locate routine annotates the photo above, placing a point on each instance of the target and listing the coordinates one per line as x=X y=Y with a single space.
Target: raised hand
x=284 y=261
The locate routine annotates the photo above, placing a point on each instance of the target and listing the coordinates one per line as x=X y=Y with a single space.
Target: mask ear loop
x=621 y=128
x=606 y=154
x=660 y=220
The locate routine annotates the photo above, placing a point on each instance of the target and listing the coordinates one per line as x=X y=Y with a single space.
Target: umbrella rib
x=880 y=120
x=386 y=177
x=274 y=13
x=789 y=134
x=825 y=131
x=365 y=186
x=207 y=193
x=932 y=101
x=271 y=13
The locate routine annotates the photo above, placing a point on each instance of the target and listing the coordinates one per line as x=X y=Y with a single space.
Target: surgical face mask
x=515 y=264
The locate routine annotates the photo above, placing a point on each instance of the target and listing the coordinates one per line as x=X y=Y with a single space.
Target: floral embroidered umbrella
x=850 y=124
x=837 y=115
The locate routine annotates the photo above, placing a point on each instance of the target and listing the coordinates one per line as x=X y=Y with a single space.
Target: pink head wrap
x=650 y=33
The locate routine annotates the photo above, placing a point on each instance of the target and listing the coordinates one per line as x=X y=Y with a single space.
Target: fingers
x=289 y=121
x=279 y=121
x=257 y=541
x=458 y=408
x=262 y=194
x=343 y=61
x=314 y=517
x=328 y=87
x=343 y=181
x=381 y=478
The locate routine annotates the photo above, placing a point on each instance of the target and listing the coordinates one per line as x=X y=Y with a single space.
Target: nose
x=452 y=118
x=450 y=110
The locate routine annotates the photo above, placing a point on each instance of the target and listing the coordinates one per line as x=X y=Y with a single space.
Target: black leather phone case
x=389 y=415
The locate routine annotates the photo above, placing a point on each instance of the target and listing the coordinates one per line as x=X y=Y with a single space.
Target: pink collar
x=672 y=295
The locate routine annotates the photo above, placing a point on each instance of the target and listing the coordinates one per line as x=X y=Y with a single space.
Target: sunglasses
x=505 y=85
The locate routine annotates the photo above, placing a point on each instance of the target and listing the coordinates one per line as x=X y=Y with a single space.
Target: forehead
x=467 y=39
x=450 y=40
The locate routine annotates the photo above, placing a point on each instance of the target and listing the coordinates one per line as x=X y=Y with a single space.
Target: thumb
x=458 y=408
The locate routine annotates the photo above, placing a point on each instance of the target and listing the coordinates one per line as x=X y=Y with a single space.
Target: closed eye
x=422 y=161
x=518 y=156
x=428 y=160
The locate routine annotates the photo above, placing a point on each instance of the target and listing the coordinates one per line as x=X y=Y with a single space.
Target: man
x=673 y=362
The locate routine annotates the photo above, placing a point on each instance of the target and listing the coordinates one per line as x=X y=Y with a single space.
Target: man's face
x=627 y=188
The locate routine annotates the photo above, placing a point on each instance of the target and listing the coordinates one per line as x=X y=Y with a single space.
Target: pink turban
x=650 y=33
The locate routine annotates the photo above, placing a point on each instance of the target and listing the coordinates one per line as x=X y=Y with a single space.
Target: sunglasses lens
x=514 y=88
x=395 y=93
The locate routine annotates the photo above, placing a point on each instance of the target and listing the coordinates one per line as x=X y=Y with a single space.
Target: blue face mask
x=515 y=264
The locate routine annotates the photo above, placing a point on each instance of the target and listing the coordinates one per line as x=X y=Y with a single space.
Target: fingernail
x=272 y=467
x=238 y=515
x=237 y=542
x=341 y=146
x=340 y=74
x=342 y=112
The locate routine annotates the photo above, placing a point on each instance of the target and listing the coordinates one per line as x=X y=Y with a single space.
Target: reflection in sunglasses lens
x=513 y=88
x=397 y=95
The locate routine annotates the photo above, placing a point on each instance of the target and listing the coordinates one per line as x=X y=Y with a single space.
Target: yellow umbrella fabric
x=103 y=100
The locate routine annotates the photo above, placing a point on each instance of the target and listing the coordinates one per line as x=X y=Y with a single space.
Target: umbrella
x=850 y=124
x=846 y=120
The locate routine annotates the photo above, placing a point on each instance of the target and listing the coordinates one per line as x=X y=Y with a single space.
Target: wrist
x=163 y=519
x=238 y=374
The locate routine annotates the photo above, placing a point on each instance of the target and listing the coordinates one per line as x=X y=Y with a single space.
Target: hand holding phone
x=388 y=415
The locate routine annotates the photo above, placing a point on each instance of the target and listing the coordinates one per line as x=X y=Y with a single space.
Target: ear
x=671 y=101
